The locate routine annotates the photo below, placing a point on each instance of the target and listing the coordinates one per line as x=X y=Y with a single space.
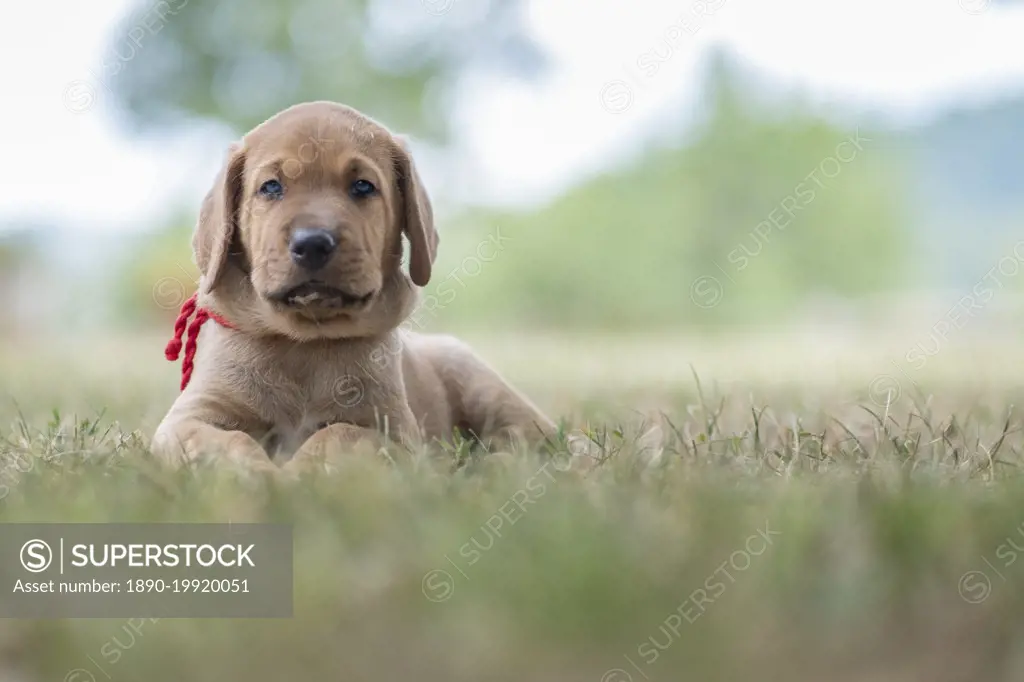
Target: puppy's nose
x=311 y=248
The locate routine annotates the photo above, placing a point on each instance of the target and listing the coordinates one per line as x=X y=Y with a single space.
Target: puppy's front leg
x=401 y=426
x=188 y=434
x=179 y=443
x=331 y=444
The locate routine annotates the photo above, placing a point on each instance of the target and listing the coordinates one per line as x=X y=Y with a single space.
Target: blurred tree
x=239 y=61
x=156 y=277
x=763 y=209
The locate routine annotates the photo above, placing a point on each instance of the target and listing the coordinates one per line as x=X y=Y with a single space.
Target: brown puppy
x=299 y=243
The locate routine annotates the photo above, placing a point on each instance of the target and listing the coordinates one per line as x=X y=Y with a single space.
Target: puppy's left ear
x=416 y=215
x=218 y=220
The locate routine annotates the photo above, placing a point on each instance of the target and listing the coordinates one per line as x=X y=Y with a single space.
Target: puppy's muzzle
x=312 y=247
x=324 y=296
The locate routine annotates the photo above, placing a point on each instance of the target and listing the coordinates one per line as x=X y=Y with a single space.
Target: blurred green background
x=758 y=205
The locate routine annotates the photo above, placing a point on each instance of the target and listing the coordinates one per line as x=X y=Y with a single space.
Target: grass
x=781 y=529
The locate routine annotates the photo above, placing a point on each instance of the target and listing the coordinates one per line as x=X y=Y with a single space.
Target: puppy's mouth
x=320 y=295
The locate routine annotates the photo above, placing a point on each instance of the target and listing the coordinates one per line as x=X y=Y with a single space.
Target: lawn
x=787 y=506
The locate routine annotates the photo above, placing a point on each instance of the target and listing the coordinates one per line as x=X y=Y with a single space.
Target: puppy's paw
x=330 y=447
x=240 y=451
x=191 y=443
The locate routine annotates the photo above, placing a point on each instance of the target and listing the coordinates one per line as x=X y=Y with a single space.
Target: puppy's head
x=301 y=233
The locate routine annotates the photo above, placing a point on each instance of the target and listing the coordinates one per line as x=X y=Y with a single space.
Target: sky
x=614 y=67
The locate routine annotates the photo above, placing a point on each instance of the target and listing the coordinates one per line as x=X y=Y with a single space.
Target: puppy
x=299 y=243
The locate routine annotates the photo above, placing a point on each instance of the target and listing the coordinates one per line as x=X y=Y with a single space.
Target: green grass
x=779 y=530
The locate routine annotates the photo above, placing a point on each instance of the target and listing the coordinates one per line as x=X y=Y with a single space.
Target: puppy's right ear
x=417 y=216
x=218 y=219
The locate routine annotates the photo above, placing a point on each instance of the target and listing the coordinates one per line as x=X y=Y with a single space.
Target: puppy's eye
x=272 y=189
x=361 y=189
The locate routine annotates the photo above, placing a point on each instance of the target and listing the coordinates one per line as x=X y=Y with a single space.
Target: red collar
x=173 y=349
